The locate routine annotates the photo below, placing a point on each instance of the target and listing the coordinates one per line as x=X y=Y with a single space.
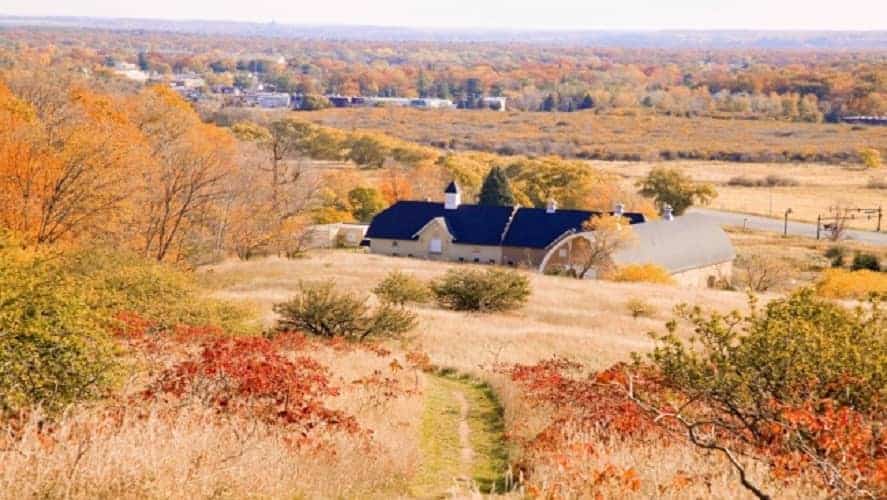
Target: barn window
x=562 y=252
x=435 y=246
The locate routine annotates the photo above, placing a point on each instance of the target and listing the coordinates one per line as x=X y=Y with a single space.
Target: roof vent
x=619 y=210
x=453 y=197
x=667 y=212
x=551 y=207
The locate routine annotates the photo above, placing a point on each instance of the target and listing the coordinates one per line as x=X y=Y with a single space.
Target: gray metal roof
x=687 y=242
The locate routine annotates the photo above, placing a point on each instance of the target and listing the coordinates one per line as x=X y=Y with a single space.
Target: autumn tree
x=365 y=203
x=668 y=186
x=609 y=234
x=66 y=164
x=190 y=160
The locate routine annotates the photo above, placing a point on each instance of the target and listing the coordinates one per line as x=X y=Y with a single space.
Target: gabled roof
x=469 y=224
x=688 y=242
x=536 y=228
x=482 y=224
x=453 y=188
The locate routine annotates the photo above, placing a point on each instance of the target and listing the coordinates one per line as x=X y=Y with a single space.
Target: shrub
x=798 y=383
x=253 y=376
x=643 y=273
x=53 y=350
x=320 y=309
x=866 y=261
x=877 y=184
x=760 y=273
x=836 y=255
x=401 y=288
x=844 y=284
x=120 y=281
x=640 y=308
x=484 y=291
x=870 y=157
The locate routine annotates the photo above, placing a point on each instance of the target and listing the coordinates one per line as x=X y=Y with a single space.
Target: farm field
x=818 y=187
x=612 y=137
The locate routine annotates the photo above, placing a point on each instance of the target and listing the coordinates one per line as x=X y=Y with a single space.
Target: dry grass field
x=819 y=187
x=612 y=137
x=585 y=321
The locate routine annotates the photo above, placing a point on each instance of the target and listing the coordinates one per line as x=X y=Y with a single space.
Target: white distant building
x=130 y=71
x=431 y=103
x=187 y=82
x=268 y=100
x=494 y=103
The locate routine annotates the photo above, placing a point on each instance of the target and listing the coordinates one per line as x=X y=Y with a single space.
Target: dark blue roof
x=534 y=228
x=482 y=224
x=469 y=224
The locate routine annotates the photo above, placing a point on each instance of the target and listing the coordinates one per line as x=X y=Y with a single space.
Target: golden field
x=612 y=136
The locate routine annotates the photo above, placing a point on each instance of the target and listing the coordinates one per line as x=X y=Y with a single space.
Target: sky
x=516 y=14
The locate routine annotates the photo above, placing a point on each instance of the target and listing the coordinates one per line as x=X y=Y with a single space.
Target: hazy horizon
x=516 y=15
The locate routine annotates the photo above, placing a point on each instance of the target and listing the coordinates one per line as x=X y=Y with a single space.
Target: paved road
x=759 y=223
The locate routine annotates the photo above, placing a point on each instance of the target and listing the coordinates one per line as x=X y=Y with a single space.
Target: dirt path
x=462 y=440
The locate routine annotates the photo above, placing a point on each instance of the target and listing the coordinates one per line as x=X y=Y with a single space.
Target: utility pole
x=785 y=231
x=818 y=225
x=880 y=215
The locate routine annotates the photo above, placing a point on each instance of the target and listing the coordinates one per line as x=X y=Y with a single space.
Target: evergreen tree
x=550 y=103
x=587 y=102
x=496 y=191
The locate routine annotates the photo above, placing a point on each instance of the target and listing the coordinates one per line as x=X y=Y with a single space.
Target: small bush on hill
x=877 y=184
x=320 y=309
x=844 y=284
x=640 y=308
x=53 y=350
x=643 y=273
x=836 y=255
x=401 y=288
x=866 y=261
x=760 y=273
x=485 y=291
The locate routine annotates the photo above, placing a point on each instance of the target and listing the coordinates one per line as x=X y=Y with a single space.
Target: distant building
x=268 y=100
x=187 y=82
x=339 y=235
x=130 y=72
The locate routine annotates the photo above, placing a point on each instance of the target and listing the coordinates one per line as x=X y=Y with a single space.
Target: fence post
x=818 y=225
